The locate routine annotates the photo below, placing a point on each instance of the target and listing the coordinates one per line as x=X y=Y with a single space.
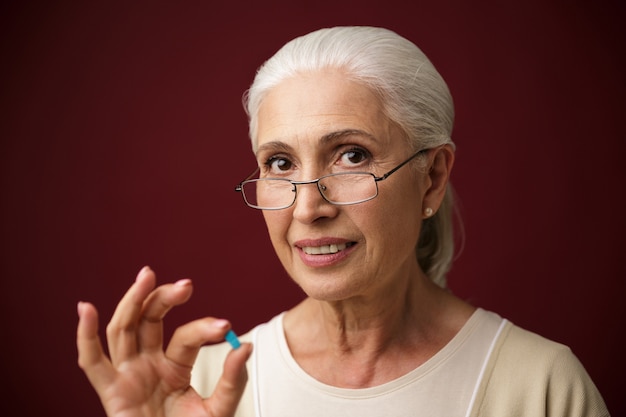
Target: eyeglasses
x=341 y=189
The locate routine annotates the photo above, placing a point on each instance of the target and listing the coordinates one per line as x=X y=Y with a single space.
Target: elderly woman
x=351 y=131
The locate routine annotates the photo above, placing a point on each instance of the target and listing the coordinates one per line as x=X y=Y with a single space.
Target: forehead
x=311 y=106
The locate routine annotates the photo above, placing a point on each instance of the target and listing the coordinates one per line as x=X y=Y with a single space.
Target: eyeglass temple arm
x=384 y=176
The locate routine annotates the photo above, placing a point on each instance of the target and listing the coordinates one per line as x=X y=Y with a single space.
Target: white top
x=491 y=367
x=445 y=385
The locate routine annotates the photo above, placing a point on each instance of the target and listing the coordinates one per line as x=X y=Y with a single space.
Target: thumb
x=230 y=387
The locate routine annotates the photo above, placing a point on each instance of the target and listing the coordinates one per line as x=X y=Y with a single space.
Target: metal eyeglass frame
x=239 y=187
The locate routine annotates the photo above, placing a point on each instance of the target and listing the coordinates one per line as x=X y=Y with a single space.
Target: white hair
x=413 y=94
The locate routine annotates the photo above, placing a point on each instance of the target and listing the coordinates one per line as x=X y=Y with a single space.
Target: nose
x=310 y=205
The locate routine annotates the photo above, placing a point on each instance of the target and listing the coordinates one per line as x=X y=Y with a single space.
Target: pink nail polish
x=142 y=272
x=220 y=323
x=183 y=282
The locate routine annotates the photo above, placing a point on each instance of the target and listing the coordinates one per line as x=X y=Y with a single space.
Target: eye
x=354 y=156
x=277 y=164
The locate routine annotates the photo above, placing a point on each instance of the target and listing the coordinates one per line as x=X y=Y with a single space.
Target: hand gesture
x=140 y=379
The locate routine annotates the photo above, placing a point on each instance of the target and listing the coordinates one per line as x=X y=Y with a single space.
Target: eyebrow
x=333 y=136
x=278 y=146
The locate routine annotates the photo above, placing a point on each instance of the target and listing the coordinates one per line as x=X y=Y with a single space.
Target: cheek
x=277 y=223
x=397 y=219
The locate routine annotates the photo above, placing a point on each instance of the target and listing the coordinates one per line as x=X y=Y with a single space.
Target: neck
x=363 y=336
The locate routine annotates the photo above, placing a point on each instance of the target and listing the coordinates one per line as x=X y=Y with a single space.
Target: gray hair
x=413 y=93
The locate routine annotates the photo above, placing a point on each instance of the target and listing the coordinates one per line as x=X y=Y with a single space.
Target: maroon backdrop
x=123 y=137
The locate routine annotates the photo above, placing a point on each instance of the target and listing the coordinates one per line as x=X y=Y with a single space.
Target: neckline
x=419 y=372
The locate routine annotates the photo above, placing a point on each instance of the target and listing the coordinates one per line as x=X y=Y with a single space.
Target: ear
x=439 y=167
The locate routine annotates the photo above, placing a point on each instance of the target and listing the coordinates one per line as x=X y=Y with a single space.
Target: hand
x=140 y=379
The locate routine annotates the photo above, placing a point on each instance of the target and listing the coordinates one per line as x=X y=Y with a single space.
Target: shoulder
x=531 y=355
x=521 y=343
x=529 y=375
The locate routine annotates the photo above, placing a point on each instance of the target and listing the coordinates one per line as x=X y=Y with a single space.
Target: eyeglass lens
x=342 y=188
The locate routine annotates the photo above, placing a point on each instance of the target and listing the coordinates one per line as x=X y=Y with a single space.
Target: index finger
x=122 y=329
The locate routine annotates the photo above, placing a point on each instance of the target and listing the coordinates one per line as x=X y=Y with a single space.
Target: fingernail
x=142 y=272
x=79 y=308
x=183 y=282
x=220 y=323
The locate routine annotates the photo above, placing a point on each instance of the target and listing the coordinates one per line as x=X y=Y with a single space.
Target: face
x=322 y=123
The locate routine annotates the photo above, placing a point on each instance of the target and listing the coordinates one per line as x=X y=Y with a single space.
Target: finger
x=122 y=329
x=156 y=306
x=189 y=338
x=230 y=387
x=91 y=357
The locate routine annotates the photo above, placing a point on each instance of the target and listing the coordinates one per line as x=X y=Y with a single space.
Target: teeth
x=323 y=250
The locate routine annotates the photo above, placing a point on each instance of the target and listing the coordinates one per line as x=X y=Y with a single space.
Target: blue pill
x=231 y=338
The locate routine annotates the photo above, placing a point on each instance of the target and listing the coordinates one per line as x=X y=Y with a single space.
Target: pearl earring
x=428 y=212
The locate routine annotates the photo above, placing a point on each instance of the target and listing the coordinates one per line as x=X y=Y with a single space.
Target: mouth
x=326 y=249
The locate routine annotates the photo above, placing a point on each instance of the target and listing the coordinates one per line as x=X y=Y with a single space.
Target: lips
x=323 y=253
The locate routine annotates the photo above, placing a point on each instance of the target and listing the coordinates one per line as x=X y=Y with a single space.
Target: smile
x=325 y=249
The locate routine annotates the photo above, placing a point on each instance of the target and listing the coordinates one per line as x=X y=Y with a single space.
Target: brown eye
x=279 y=164
x=354 y=157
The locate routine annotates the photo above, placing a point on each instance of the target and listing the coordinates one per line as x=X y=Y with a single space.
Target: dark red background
x=123 y=136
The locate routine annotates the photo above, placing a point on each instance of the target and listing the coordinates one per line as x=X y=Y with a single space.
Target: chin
x=328 y=288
